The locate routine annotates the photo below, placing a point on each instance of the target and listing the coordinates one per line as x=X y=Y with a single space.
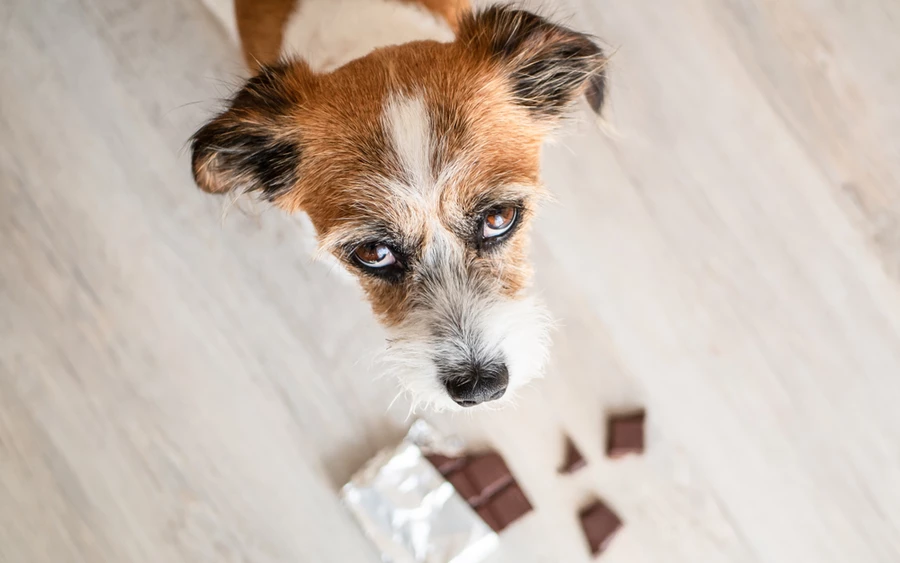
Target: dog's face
x=419 y=168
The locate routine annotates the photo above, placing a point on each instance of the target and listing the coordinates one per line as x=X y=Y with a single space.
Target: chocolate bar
x=487 y=484
x=600 y=525
x=625 y=434
x=403 y=506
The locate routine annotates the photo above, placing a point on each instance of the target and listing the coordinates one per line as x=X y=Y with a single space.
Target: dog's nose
x=475 y=384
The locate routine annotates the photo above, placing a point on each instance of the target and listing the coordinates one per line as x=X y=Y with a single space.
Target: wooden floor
x=178 y=389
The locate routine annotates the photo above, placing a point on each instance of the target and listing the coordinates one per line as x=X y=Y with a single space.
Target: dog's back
x=328 y=33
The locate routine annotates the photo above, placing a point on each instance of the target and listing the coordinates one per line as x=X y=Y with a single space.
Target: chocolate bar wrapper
x=410 y=511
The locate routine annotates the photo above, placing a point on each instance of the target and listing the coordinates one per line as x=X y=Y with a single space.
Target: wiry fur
x=244 y=150
x=548 y=64
x=459 y=317
x=410 y=146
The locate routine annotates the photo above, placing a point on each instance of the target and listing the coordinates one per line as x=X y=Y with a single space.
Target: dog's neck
x=330 y=33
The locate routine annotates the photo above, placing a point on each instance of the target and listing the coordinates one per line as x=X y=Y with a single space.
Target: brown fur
x=498 y=138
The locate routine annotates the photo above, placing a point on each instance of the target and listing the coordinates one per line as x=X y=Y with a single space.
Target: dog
x=409 y=132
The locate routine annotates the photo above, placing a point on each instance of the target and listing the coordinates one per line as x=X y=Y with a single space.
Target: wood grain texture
x=175 y=388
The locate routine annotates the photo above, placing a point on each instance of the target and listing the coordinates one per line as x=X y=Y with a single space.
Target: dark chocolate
x=487 y=515
x=625 y=434
x=600 y=525
x=488 y=473
x=463 y=484
x=486 y=483
x=574 y=460
x=509 y=505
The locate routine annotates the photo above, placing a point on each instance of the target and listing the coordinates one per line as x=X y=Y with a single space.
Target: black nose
x=474 y=385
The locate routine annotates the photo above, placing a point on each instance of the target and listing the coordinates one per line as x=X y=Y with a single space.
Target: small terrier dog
x=409 y=132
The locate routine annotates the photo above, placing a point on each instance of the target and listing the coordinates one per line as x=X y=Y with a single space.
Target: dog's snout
x=473 y=385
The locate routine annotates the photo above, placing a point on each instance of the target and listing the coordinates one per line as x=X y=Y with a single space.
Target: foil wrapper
x=410 y=511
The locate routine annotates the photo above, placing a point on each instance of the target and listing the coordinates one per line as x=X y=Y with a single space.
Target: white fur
x=521 y=330
x=478 y=326
x=409 y=126
x=331 y=33
x=518 y=328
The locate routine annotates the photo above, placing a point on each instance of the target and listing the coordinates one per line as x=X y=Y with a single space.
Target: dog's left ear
x=549 y=65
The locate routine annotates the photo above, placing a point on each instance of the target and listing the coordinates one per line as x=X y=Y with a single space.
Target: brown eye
x=374 y=255
x=498 y=221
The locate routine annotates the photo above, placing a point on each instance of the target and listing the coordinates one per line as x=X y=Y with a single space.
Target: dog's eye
x=499 y=221
x=375 y=255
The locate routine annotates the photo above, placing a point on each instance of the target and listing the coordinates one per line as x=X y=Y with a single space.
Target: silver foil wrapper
x=410 y=511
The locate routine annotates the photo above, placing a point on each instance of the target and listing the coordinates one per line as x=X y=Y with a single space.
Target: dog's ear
x=549 y=65
x=252 y=147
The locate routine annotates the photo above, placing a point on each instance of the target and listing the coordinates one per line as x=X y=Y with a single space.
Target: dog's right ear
x=548 y=65
x=252 y=146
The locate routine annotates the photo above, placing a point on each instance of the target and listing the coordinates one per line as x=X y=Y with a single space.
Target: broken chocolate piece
x=600 y=525
x=507 y=506
x=488 y=473
x=625 y=434
x=574 y=460
x=444 y=464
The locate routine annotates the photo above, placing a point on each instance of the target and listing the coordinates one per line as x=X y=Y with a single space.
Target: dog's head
x=419 y=168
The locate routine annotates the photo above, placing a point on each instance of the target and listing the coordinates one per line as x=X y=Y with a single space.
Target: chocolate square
x=507 y=506
x=444 y=464
x=463 y=485
x=574 y=460
x=625 y=434
x=600 y=525
x=488 y=473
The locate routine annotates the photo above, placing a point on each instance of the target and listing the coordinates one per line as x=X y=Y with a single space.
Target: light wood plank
x=175 y=388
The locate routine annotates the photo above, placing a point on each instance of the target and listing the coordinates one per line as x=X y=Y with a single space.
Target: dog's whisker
x=412 y=411
x=400 y=392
